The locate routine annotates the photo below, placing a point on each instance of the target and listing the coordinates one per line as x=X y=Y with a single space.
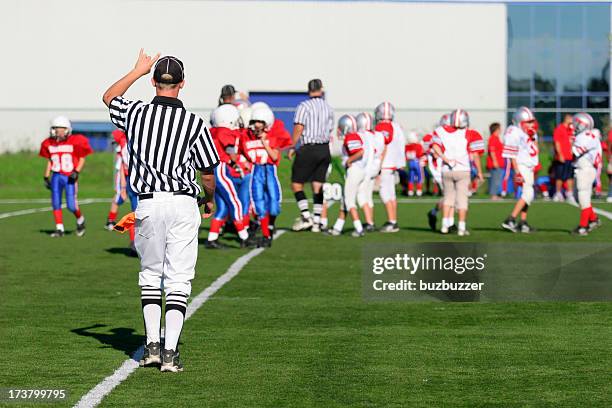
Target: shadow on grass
x=499 y=229
x=120 y=338
x=50 y=231
x=122 y=251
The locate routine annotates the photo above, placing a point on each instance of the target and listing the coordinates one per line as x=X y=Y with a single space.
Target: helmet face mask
x=258 y=127
x=262 y=119
x=582 y=122
x=60 y=128
x=526 y=120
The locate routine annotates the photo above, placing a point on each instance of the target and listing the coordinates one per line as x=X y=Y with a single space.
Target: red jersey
x=280 y=134
x=119 y=137
x=413 y=151
x=563 y=135
x=387 y=129
x=352 y=144
x=253 y=149
x=227 y=141
x=427 y=142
x=495 y=148
x=65 y=155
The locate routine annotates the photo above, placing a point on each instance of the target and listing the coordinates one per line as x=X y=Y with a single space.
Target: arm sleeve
x=437 y=141
x=82 y=146
x=475 y=142
x=300 y=114
x=353 y=145
x=511 y=143
x=44 y=150
x=118 y=110
x=203 y=151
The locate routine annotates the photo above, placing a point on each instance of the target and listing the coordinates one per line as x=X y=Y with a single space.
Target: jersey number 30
x=62 y=162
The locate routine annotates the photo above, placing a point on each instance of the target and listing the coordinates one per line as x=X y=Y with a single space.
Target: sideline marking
x=97 y=394
x=43 y=209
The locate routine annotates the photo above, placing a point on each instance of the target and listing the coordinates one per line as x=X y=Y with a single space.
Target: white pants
x=355 y=176
x=366 y=191
x=387 y=185
x=436 y=171
x=585 y=177
x=528 y=192
x=167 y=241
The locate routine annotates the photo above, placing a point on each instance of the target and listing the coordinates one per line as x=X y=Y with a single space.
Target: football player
x=377 y=142
x=521 y=148
x=65 y=154
x=587 y=158
x=434 y=163
x=228 y=176
x=414 y=154
x=457 y=145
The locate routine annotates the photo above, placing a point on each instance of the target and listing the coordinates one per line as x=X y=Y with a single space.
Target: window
x=559 y=58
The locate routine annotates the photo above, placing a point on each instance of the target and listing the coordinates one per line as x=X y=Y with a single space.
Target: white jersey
x=354 y=142
x=520 y=146
x=376 y=141
x=457 y=146
x=587 y=150
x=395 y=158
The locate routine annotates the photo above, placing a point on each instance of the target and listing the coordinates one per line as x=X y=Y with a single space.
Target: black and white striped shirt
x=318 y=119
x=166 y=144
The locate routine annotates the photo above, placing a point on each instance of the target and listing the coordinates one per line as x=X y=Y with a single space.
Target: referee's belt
x=146 y=196
x=315 y=144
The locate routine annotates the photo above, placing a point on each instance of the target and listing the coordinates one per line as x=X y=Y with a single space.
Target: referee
x=313 y=124
x=166 y=145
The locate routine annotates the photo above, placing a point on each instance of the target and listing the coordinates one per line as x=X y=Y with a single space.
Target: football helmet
x=259 y=105
x=226 y=116
x=582 y=121
x=385 y=111
x=60 y=122
x=263 y=114
x=411 y=138
x=459 y=119
x=445 y=120
x=245 y=116
x=364 y=121
x=346 y=124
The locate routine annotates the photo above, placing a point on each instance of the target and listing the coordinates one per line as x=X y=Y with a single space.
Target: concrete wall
x=60 y=56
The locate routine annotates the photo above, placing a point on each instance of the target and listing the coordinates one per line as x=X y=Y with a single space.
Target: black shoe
x=452 y=228
x=214 y=244
x=152 y=355
x=265 y=242
x=510 y=224
x=57 y=234
x=369 y=228
x=525 y=228
x=432 y=219
x=582 y=231
x=80 y=230
x=110 y=225
x=250 y=242
x=389 y=227
x=170 y=361
x=133 y=251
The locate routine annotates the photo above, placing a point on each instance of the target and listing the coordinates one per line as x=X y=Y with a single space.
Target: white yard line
x=97 y=394
x=599 y=211
x=43 y=209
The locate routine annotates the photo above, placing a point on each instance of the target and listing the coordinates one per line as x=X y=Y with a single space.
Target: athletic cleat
x=316 y=228
x=250 y=242
x=80 y=230
x=510 y=224
x=594 y=224
x=581 y=231
x=444 y=230
x=463 y=233
x=410 y=193
x=152 y=355
x=214 y=245
x=333 y=232
x=525 y=228
x=110 y=225
x=369 y=227
x=171 y=362
x=389 y=227
x=133 y=251
x=432 y=219
x=302 y=224
x=419 y=193
x=558 y=198
x=265 y=242
x=571 y=200
x=57 y=234
x=357 y=234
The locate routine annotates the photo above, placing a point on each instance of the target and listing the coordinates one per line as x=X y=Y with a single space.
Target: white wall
x=59 y=56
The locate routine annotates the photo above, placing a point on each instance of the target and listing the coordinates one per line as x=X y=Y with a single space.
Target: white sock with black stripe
x=176 y=306
x=151 y=299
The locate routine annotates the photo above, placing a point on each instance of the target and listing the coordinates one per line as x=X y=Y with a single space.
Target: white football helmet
x=411 y=138
x=522 y=114
x=385 y=111
x=259 y=105
x=364 y=121
x=459 y=119
x=245 y=117
x=60 y=122
x=597 y=133
x=346 y=124
x=240 y=104
x=263 y=114
x=225 y=116
x=582 y=121
x=445 y=120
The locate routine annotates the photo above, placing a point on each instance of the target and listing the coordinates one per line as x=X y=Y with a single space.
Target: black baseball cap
x=315 y=85
x=227 y=91
x=169 y=70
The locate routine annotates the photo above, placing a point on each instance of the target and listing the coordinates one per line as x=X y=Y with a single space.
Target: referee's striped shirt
x=166 y=144
x=318 y=119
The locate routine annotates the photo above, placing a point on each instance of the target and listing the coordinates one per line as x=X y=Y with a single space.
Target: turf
x=292 y=329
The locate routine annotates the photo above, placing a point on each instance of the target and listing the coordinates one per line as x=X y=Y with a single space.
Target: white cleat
x=463 y=233
x=302 y=224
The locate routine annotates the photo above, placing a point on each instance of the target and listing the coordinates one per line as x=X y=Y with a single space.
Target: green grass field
x=292 y=329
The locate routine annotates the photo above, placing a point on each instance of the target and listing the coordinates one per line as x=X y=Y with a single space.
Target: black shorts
x=311 y=163
x=563 y=171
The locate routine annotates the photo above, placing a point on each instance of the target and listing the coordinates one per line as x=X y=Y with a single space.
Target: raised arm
x=143 y=66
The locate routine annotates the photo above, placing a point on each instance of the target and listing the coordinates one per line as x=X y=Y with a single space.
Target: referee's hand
x=145 y=62
x=291 y=153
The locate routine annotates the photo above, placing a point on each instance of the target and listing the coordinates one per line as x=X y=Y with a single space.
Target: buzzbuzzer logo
x=414 y=264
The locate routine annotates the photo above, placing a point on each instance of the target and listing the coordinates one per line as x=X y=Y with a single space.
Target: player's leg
x=58 y=182
x=584 y=182
x=404 y=177
x=300 y=174
x=133 y=205
x=118 y=199
x=354 y=177
x=243 y=188
x=506 y=177
x=462 y=187
x=258 y=197
x=322 y=163
x=527 y=197
x=365 y=202
x=448 y=200
x=411 y=178
x=275 y=195
x=569 y=180
x=181 y=253
x=150 y=245
x=73 y=206
x=419 y=180
x=388 y=196
x=230 y=195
